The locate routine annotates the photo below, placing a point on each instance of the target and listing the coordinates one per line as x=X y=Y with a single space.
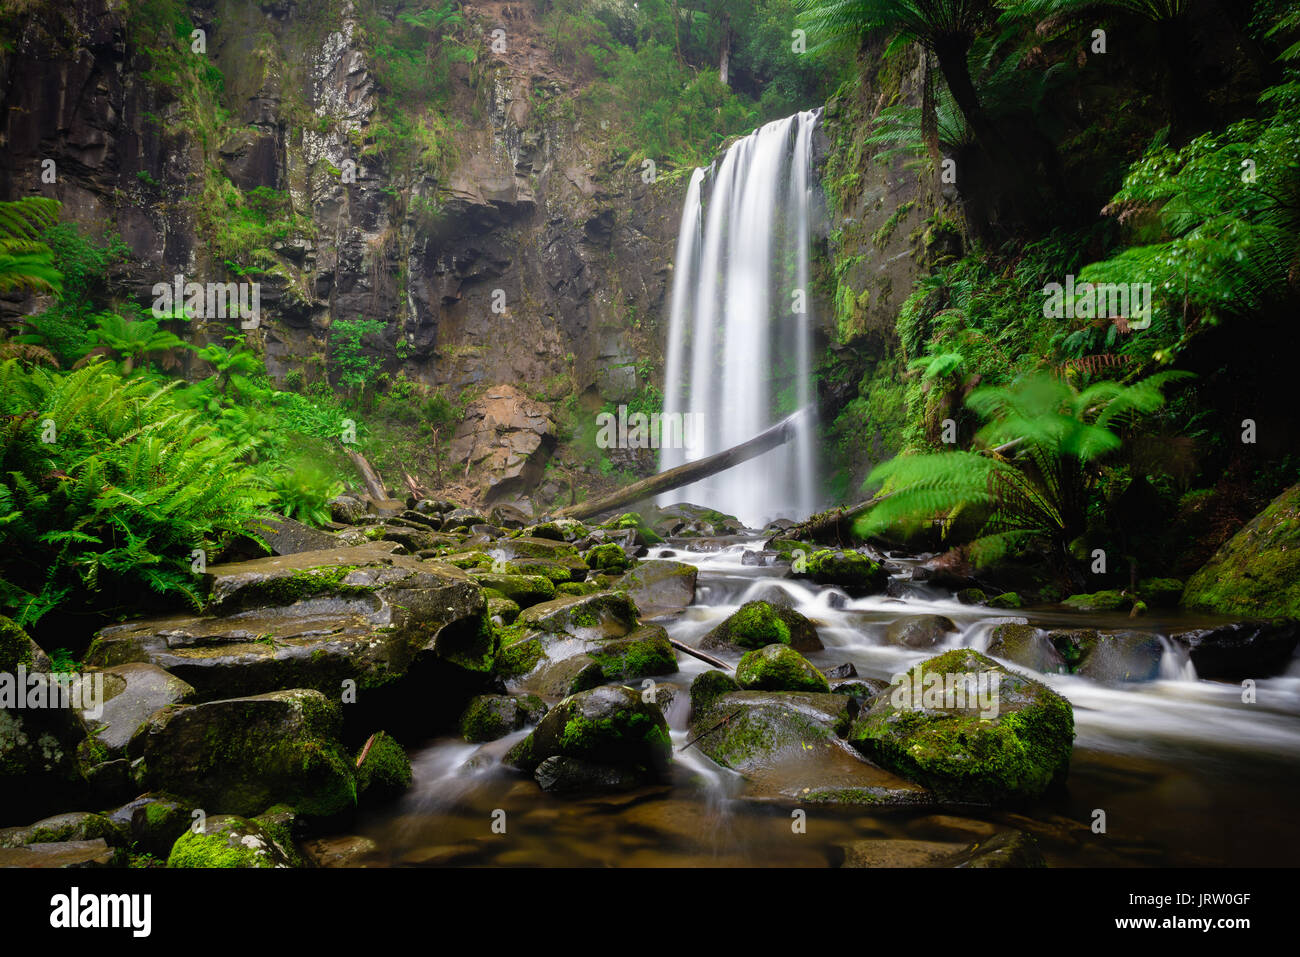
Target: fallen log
x=765 y=441
x=831 y=527
x=374 y=485
x=696 y=653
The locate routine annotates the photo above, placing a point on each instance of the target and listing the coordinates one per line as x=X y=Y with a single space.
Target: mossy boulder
x=963 y=753
x=1256 y=573
x=229 y=841
x=758 y=623
x=709 y=686
x=660 y=587
x=1160 y=592
x=383 y=770
x=602 y=615
x=1026 y=645
x=752 y=731
x=609 y=557
x=490 y=716
x=779 y=668
x=850 y=570
x=920 y=631
x=154 y=821
x=559 y=573
x=501 y=608
x=1107 y=600
x=1008 y=599
x=645 y=651
x=241 y=755
x=70 y=826
x=524 y=590
x=610 y=725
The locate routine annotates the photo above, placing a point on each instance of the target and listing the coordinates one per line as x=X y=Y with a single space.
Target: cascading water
x=740 y=330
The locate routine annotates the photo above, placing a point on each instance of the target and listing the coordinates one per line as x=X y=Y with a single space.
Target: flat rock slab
x=94 y=853
x=132 y=692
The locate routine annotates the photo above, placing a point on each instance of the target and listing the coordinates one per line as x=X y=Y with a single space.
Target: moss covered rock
x=751 y=731
x=779 y=668
x=1256 y=573
x=1109 y=600
x=489 y=716
x=607 y=558
x=1160 y=592
x=963 y=753
x=850 y=570
x=382 y=768
x=643 y=653
x=524 y=590
x=1026 y=645
x=758 y=623
x=709 y=686
x=228 y=841
x=241 y=755
x=610 y=725
x=660 y=587
x=1007 y=599
x=602 y=615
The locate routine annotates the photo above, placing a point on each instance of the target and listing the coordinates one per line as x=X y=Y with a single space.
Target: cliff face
x=526 y=258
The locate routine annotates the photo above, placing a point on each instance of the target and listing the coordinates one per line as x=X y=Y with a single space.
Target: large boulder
x=242 y=755
x=612 y=726
x=1004 y=738
x=644 y=652
x=660 y=587
x=850 y=570
x=600 y=615
x=1256 y=573
x=1026 y=645
x=759 y=623
x=313 y=620
x=504 y=440
x=1243 y=649
x=1109 y=656
x=491 y=716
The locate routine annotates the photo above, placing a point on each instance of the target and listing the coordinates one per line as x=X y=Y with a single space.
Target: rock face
x=242 y=755
x=504 y=442
x=1256 y=573
x=962 y=749
x=313 y=620
x=530 y=207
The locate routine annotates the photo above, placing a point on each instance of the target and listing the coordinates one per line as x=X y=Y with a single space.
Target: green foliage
x=112 y=507
x=353 y=369
x=303 y=492
x=27 y=264
x=1216 y=226
x=1033 y=481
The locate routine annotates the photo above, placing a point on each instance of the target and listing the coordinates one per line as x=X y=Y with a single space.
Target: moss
x=607 y=557
x=386 y=768
x=1109 y=600
x=1256 y=573
x=279 y=590
x=519 y=658
x=779 y=668
x=708 y=687
x=580 y=589
x=645 y=652
x=847 y=569
x=15 y=646
x=962 y=755
x=221 y=848
x=1006 y=600
x=1160 y=592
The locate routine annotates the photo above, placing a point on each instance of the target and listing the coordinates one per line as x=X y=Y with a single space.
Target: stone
x=779 y=668
x=132 y=692
x=758 y=623
x=230 y=841
x=1243 y=649
x=920 y=631
x=504 y=440
x=660 y=588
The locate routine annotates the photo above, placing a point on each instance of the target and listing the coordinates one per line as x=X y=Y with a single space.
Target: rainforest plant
x=1033 y=479
x=107 y=488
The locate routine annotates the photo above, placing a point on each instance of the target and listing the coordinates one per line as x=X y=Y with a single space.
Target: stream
x=1185 y=773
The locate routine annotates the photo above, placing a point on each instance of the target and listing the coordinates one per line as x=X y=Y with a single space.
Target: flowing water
x=739 y=339
x=1185 y=773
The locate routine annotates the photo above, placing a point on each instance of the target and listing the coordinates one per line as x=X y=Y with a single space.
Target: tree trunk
x=778 y=434
x=373 y=483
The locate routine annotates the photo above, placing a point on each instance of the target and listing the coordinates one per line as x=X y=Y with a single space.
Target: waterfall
x=740 y=325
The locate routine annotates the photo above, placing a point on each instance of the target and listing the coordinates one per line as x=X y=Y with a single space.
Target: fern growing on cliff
x=1033 y=480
